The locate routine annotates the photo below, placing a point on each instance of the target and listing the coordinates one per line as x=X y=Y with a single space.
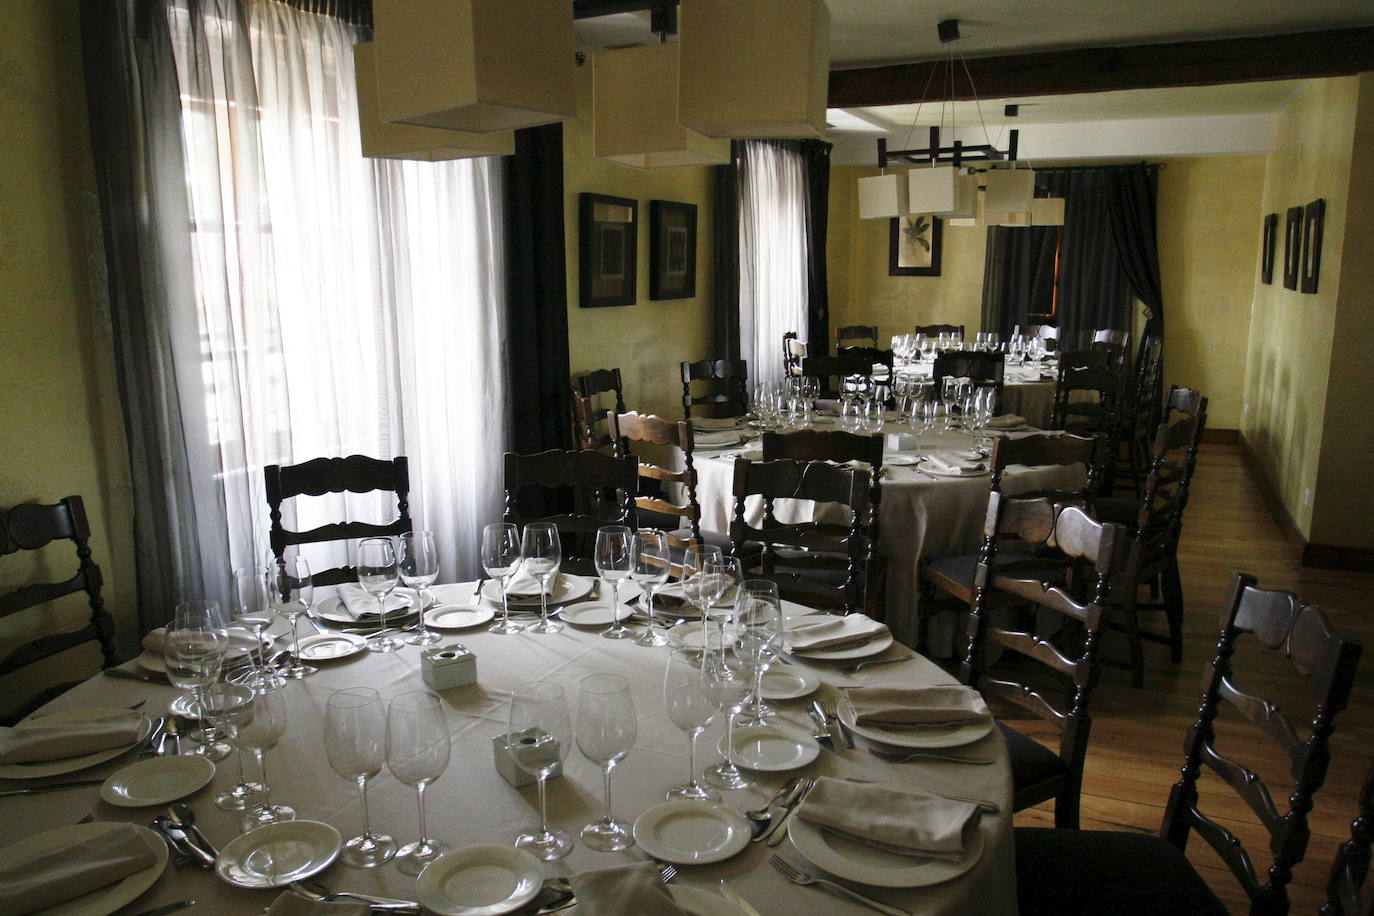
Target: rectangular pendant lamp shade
x=1009 y=190
x=475 y=65
x=401 y=141
x=942 y=191
x=634 y=111
x=1047 y=211
x=754 y=68
x=883 y=196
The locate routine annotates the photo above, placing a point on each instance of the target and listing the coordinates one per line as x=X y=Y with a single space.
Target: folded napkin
x=621 y=889
x=34 y=881
x=700 y=423
x=825 y=631
x=362 y=606
x=954 y=463
x=909 y=823
x=523 y=585
x=715 y=439
x=155 y=640
x=292 y=904
x=1006 y=421
x=903 y=708
x=34 y=741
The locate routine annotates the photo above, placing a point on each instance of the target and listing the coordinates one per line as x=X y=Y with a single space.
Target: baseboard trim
x=1221 y=436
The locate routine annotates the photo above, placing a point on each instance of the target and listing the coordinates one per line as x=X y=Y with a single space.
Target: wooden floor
x=1136 y=745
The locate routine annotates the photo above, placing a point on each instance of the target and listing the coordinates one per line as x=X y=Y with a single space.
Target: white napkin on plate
x=523 y=585
x=622 y=889
x=37 y=880
x=33 y=741
x=293 y=904
x=361 y=605
x=715 y=439
x=911 y=708
x=954 y=463
x=907 y=822
x=821 y=631
x=1006 y=421
x=700 y=423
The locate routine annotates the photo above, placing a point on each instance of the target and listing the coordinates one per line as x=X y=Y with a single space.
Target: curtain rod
x=354 y=12
x=1152 y=166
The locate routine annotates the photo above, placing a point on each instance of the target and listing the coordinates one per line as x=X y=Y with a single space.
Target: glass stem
x=543 y=808
x=381 y=610
x=730 y=738
x=757 y=699
x=505 y=603
x=420 y=797
x=362 y=795
x=296 y=640
x=653 y=590
x=261 y=754
x=615 y=605
x=692 y=760
x=609 y=765
x=243 y=780
x=544 y=605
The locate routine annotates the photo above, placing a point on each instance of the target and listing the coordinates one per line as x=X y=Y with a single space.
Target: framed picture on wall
x=1271 y=232
x=607 y=235
x=1313 y=222
x=1292 y=247
x=672 y=250
x=913 y=247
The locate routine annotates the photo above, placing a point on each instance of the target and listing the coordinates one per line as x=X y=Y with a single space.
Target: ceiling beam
x=1335 y=52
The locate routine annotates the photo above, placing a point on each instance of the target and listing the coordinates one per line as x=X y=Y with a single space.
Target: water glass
x=653 y=562
x=541 y=552
x=355 y=743
x=727 y=679
x=295 y=595
x=698 y=585
x=606 y=731
x=378 y=575
x=501 y=560
x=691 y=708
x=758 y=639
x=418 y=565
x=615 y=560
x=417 y=753
x=542 y=709
x=263 y=727
x=193 y=652
x=254 y=609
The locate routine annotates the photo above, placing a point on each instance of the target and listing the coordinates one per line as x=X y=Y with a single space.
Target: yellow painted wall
x=60 y=412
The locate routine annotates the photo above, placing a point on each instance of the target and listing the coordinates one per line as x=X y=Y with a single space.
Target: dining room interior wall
x=62 y=418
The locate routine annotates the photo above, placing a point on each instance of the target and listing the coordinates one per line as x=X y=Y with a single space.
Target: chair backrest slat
x=578 y=491
x=730 y=378
x=935 y=330
x=636 y=427
x=868 y=332
x=1024 y=696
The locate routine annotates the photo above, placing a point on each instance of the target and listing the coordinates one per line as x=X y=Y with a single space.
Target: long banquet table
x=472 y=804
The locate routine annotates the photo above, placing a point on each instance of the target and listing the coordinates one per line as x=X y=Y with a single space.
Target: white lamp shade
x=634 y=111
x=475 y=65
x=1014 y=219
x=979 y=217
x=401 y=141
x=1009 y=190
x=1047 y=211
x=883 y=196
x=754 y=68
x=942 y=191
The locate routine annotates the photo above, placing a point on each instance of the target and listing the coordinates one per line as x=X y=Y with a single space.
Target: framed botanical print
x=913 y=248
x=608 y=230
x=672 y=250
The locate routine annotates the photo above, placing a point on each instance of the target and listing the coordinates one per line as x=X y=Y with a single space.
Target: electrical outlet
x=1307 y=496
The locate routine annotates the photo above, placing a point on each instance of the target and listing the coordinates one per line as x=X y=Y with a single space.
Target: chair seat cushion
x=1067 y=872
x=1032 y=763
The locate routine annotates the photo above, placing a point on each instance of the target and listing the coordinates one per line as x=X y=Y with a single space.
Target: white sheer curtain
x=772 y=255
x=343 y=305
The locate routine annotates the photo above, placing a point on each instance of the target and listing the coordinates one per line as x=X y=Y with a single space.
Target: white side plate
x=458 y=616
x=327 y=647
x=691 y=833
x=772 y=748
x=157 y=781
x=277 y=854
x=480 y=880
x=788 y=682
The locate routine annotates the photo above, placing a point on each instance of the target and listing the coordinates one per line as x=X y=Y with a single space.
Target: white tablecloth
x=1027 y=390
x=473 y=804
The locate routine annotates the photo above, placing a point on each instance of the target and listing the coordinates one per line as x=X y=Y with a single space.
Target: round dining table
x=473 y=804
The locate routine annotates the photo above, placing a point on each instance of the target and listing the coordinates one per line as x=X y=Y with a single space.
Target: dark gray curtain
x=816 y=154
x=725 y=255
x=1018 y=280
x=1132 y=194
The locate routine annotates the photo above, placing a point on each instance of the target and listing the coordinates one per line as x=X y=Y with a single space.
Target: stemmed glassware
x=542 y=553
x=417 y=753
x=260 y=731
x=700 y=587
x=229 y=706
x=691 y=709
x=758 y=639
x=418 y=565
x=253 y=610
x=615 y=560
x=193 y=651
x=293 y=589
x=653 y=561
x=500 y=560
x=727 y=679
x=728 y=573
x=378 y=575
x=355 y=743
x=541 y=710
x=606 y=731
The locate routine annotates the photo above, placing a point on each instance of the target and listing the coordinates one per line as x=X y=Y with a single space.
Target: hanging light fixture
x=883 y=196
x=1047 y=211
x=475 y=65
x=1009 y=190
x=401 y=141
x=635 y=111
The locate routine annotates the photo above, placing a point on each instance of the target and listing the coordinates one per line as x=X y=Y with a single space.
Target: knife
x=169 y=908
x=51 y=787
x=136 y=676
x=182 y=839
x=779 y=829
x=734 y=896
x=832 y=726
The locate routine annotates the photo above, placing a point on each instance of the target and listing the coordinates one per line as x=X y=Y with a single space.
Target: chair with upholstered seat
x=579 y=491
x=1346 y=893
x=730 y=381
x=863 y=334
x=590 y=414
x=793 y=352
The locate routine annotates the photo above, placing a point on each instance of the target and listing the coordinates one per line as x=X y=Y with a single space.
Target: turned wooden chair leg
x=1173 y=610
x=1066 y=805
x=1132 y=623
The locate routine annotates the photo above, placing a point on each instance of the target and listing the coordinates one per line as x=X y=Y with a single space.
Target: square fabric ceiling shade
x=1047 y=211
x=754 y=68
x=401 y=141
x=634 y=111
x=1009 y=191
x=475 y=65
x=941 y=190
x=883 y=196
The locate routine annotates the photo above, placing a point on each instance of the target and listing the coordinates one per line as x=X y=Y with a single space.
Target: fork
x=828 y=706
x=313 y=890
x=872 y=663
x=791 y=873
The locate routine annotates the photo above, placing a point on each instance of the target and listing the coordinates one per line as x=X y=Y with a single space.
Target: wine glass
x=355 y=743
x=540 y=709
x=653 y=561
x=229 y=706
x=615 y=560
x=260 y=731
x=542 y=553
x=606 y=731
x=697 y=585
x=293 y=588
x=378 y=575
x=691 y=709
x=728 y=574
x=193 y=651
x=417 y=753
x=253 y=610
x=727 y=679
x=758 y=639
x=501 y=559
x=418 y=565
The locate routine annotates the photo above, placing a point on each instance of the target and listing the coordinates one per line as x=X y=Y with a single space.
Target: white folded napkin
x=820 y=631
x=622 y=889
x=293 y=904
x=37 y=880
x=910 y=708
x=1006 y=421
x=523 y=585
x=954 y=463
x=361 y=605
x=155 y=640
x=700 y=423
x=34 y=741
x=715 y=439
x=907 y=822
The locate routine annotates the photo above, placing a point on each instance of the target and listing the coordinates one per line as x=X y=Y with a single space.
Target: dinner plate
x=157 y=781
x=480 y=881
x=274 y=855
x=691 y=832
x=716 y=440
x=569 y=588
x=949 y=736
x=241 y=642
x=40 y=768
x=333 y=610
x=876 y=867
x=772 y=748
x=594 y=613
x=901 y=461
x=695 y=901
x=327 y=647
x=103 y=900
x=688 y=635
x=458 y=616
x=874 y=646
x=788 y=682
x=935 y=472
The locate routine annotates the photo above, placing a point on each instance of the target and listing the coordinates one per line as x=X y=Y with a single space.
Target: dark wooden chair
x=1038 y=773
x=1141 y=411
x=1116 y=344
x=1047 y=332
x=354 y=474
x=876 y=356
x=832 y=371
x=827 y=565
x=681 y=521
x=935 y=330
x=1346 y=894
x=856 y=332
x=985 y=370
x=793 y=352
x=32 y=526
x=1094 y=871
x=578 y=491
x=730 y=381
x=590 y=414
x=1084 y=359
x=1087 y=402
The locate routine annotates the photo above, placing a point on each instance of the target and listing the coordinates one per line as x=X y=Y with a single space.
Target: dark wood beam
x=1335 y=52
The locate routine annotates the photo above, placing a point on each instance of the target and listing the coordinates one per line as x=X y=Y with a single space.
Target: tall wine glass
x=606 y=731
x=254 y=610
x=417 y=753
x=652 y=565
x=726 y=573
x=193 y=651
x=355 y=743
x=541 y=709
x=418 y=565
x=758 y=639
x=698 y=585
x=260 y=732
x=501 y=559
x=229 y=706
x=378 y=575
x=293 y=589
x=542 y=553
x=691 y=709
x=727 y=679
x=615 y=560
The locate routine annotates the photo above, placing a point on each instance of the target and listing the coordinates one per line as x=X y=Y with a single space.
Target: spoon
x=760 y=818
x=182 y=815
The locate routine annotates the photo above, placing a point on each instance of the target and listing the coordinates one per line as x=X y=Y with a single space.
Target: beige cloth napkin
x=821 y=631
x=523 y=585
x=907 y=822
x=361 y=605
x=701 y=423
x=292 y=904
x=34 y=881
x=954 y=463
x=35 y=741
x=624 y=889
x=902 y=708
x=155 y=640
x=1006 y=421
